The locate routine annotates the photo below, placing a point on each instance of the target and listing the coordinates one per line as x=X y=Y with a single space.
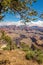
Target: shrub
x=30 y=55
x=3 y=34
x=8 y=46
x=7 y=39
x=39 y=57
x=35 y=55
x=24 y=46
x=15 y=46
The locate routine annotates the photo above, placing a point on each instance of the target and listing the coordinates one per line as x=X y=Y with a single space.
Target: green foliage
x=10 y=44
x=18 y=6
x=7 y=39
x=4 y=37
x=3 y=34
x=24 y=46
x=15 y=46
x=8 y=47
x=30 y=55
x=35 y=55
x=39 y=57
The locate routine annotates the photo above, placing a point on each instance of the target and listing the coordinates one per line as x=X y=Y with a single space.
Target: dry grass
x=15 y=57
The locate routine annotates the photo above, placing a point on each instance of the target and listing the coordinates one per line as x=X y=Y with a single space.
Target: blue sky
x=37 y=6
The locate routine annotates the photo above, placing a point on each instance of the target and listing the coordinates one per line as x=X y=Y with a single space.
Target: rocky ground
x=32 y=37
x=28 y=35
x=15 y=57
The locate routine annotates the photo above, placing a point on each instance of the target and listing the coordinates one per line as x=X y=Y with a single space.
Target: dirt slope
x=15 y=57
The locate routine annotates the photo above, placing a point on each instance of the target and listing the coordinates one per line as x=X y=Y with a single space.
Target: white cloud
x=38 y=23
x=11 y=23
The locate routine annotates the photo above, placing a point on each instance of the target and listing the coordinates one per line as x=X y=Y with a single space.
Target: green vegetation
x=8 y=41
x=25 y=47
x=20 y=7
x=39 y=56
x=14 y=46
x=35 y=55
x=30 y=55
x=3 y=34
